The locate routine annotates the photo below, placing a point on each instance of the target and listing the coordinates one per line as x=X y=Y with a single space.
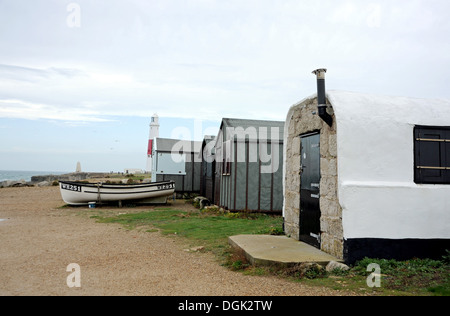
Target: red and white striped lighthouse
x=154 y=133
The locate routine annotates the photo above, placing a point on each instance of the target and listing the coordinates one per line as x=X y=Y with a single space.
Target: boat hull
x=77 y=193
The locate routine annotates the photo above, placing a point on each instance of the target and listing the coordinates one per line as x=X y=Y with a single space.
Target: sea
x=16 y=175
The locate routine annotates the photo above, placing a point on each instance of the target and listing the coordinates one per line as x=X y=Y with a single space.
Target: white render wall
x=376 y=189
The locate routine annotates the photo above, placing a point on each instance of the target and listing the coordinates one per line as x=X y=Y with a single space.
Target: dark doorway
x=310 y=189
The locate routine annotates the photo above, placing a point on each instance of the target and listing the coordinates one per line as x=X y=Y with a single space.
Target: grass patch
x=211 y=229
x=418 y=277
x=208 y=229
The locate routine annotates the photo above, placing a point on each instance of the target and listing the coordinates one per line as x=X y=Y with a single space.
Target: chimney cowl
x=320 y=73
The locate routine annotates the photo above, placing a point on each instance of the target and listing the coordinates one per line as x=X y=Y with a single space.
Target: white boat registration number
x=71 y=187
x=166 y=186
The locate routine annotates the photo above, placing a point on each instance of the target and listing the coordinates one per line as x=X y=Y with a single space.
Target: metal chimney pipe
x=321 y=96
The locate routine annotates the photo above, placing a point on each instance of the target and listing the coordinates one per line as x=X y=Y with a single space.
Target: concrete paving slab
x=278 y=250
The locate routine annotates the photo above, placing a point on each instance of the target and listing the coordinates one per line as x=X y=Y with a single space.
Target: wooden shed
x=249 y=158
x=177 y=160
x=368 y=175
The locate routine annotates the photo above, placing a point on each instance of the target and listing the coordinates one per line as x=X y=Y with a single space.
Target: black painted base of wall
x=399 y=249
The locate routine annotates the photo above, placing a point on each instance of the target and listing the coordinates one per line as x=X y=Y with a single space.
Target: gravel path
x=38 y=240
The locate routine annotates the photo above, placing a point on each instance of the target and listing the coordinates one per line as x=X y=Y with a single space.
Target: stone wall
x=303 y=120
x=76 y=176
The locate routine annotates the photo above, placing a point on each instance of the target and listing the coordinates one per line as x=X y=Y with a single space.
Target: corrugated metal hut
x=249 y=158
x=208 y=168
x=368 y=175
x=177 y=160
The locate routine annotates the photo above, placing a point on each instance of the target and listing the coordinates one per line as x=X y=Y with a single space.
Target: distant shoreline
x=31 y=178
x=16 y=175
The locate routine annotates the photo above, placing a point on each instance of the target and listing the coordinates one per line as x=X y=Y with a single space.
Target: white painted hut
x=371 y=177
x=179 y=161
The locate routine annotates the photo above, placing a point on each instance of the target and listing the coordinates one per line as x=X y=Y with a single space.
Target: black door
x=310 y=189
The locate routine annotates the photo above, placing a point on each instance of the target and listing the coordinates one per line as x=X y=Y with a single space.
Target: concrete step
x=278 y=250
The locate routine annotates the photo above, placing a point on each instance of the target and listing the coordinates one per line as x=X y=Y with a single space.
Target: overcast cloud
x=201 y=58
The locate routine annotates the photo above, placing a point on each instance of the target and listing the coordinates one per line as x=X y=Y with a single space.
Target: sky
x=79 y=80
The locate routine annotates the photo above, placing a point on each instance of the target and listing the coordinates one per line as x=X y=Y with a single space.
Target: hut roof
x=370 y=108
x=169 y=145
x=245 y=124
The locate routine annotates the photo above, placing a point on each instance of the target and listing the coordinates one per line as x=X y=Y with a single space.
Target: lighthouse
x=154 y=132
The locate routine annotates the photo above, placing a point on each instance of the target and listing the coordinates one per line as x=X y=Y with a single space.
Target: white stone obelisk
x=154 y=133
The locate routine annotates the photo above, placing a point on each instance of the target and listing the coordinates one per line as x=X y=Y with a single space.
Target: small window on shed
x=432 y=155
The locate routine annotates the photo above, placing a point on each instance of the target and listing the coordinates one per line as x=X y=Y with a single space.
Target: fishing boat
x=80 y=193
